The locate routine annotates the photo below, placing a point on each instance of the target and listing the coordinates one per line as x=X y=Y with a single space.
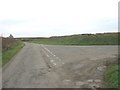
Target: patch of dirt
x=85 y=73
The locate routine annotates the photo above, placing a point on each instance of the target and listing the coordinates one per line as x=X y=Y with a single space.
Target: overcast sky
x=33 y=18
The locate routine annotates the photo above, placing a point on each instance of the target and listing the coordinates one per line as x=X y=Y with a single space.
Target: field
x=81 y=39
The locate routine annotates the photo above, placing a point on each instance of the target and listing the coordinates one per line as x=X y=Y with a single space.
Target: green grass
x=111 y=76
x=8 y=54
x=102 y=39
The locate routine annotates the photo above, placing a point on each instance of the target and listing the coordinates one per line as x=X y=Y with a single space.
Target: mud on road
x=54 y=66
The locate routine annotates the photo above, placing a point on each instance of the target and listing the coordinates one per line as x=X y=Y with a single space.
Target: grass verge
x=8 y=54
x=111 y=76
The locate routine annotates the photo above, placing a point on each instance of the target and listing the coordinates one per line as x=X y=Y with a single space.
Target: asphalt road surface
x=58 y=66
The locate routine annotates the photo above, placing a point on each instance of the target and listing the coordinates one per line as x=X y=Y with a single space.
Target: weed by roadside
x=111 y=76
x=8 y=54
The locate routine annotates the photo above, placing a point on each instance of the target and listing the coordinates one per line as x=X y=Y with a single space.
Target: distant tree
x=11 y=36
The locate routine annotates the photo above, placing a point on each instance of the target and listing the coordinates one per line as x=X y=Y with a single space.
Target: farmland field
x=81 y=39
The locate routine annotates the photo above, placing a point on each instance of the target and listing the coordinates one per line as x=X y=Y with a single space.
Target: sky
x=45 y=18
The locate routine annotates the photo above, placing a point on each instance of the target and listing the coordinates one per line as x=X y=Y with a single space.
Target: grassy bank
x=81 y=39
x=8 y=54
x=111 y=76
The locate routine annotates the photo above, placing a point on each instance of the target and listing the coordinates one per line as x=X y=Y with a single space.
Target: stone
x=79 y=83
x=90 y=81
x=97 y=80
